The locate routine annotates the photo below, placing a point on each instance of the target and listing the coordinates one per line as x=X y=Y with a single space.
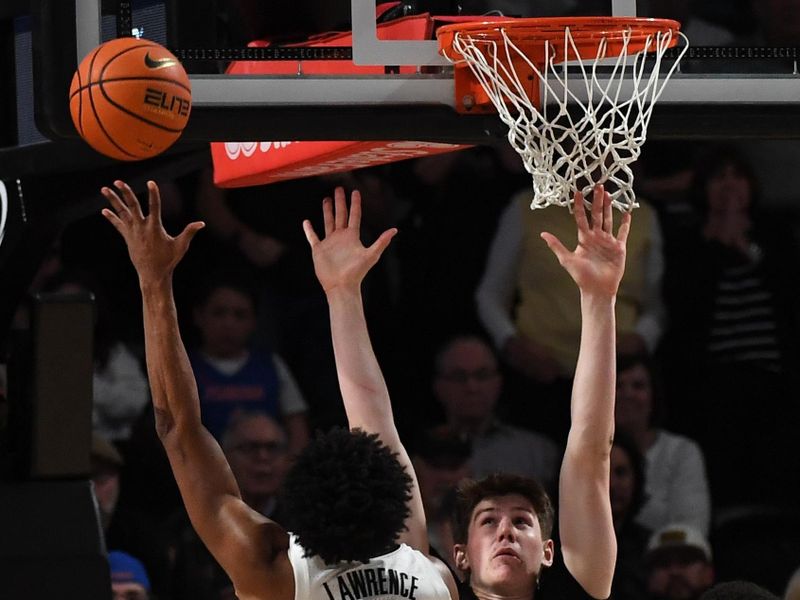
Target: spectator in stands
x=258 y=227
x=467 y=383
x=676 y=488
x=529 y=305
x=441 y=461
x=232 y=377
x=256 y=447
x=126 y=529
x=732 y=290
x=627 y=487
x=679 y=564
x=129 y=579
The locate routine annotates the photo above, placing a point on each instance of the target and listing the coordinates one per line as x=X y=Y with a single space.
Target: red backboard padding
x=238 y=164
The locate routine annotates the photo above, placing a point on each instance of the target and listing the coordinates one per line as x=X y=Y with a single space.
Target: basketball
x=130 y=99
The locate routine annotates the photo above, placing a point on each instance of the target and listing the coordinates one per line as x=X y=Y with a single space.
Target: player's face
x=634 y=400
x=623 y=482
x=680 y=578
x=226 y=321
x=505 y=551
x=258 y=457
x=468 y=382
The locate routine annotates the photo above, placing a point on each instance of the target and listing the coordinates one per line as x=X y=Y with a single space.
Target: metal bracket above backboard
x=623 y=8
x=369 y=50
x=87 y=27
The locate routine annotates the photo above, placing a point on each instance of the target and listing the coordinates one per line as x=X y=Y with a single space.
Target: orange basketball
x=130 y=99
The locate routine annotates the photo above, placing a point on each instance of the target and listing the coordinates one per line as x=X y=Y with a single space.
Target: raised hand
x=598 y=262
x=153 y=252
x=340 y=259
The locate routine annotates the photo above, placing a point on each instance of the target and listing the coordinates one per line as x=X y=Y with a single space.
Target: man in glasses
x=467 y=383
x=256 y=447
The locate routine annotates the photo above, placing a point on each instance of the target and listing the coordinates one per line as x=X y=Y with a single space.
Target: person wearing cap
x=680 y=565
x=467 y=384
x=106 y=462
x=125 y=527
x=129 y=580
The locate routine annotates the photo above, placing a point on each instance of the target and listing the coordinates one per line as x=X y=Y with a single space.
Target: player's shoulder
x=448 y=578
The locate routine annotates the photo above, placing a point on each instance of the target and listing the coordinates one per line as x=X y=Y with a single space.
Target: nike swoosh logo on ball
x=159 y=63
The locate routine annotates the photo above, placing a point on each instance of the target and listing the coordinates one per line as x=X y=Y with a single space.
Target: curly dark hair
x=471 y=493
x=346 y=497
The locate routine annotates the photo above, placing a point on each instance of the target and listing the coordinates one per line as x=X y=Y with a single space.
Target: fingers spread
x=355 y=210
x=327 y=215
x=382 y=242
x=311 y=235
x=624 y=228
x=129 y=198
x=555 y=245
x=112 y=218
x=114 y=200
x=154 y=201
x=190 y=231
x=340 y=208
x=597 y=207
x=579 y=212
x=608 y=219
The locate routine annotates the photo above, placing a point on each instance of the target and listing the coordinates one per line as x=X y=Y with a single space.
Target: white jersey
x=402 y=573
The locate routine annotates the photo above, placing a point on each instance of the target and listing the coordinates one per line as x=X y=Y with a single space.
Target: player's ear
x=460 y=557
x=549 y=553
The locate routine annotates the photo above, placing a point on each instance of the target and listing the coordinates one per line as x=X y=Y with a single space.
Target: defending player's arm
x=341 y=262
x=237 y=536
x=586 y=527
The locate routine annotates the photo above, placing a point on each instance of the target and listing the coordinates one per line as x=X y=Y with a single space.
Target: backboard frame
x=398 y=107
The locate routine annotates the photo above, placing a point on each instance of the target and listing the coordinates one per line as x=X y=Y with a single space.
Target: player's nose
x=505 y=529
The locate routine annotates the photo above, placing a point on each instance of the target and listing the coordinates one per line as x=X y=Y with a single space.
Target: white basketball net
x=562 y=151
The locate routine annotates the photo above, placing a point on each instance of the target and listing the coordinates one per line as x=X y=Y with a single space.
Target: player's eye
x=521 y=522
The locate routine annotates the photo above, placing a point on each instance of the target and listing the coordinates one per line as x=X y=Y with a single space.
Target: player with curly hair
x=351 y=500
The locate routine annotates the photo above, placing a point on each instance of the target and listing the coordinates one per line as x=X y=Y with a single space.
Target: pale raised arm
x=341 y=262
x=587 y=532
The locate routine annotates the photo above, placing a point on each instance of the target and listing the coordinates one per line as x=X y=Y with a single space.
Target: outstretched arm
x=341 y=262
x=246 y=544
x=597 y=264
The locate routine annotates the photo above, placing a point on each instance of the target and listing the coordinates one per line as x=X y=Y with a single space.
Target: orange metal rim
x=582 y=29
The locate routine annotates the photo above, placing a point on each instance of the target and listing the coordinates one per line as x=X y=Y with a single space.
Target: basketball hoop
x=521 y=69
